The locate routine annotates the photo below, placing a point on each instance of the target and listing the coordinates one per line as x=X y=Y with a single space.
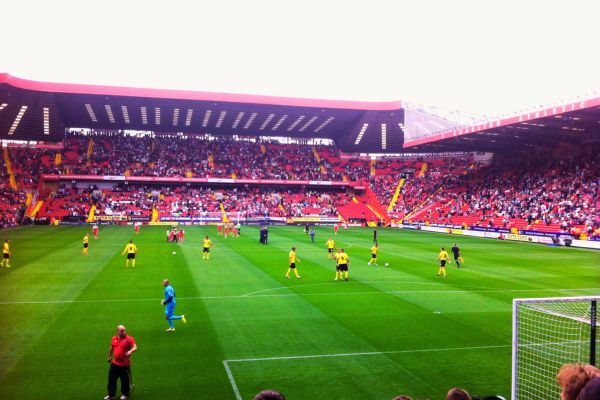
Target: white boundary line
x=236 y=390
x=368 y=353
x=246 y=296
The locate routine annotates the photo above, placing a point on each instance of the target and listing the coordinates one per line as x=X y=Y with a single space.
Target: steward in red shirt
x=121 y=348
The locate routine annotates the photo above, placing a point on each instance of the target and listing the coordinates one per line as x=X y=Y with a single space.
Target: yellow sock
x=346 y=274
x=133 y=263
x=439 y=271
x=296 y=273
x=288 y=272
x=2 y=263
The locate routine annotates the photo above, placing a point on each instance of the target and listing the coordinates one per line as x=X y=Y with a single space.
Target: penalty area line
x=370 y=353
x=234 y=386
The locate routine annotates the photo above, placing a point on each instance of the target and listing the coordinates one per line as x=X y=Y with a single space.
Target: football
x=174 y=252
x=387 y=265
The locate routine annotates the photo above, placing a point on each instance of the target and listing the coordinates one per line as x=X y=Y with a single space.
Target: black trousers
x=118 y=372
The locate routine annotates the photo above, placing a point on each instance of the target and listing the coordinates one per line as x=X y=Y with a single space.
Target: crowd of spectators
x=10 y=205
x=544 y=194
x=178 y=156
x=193 y=201
x=559 y=194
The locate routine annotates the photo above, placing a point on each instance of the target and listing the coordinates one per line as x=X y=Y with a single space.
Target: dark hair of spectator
x=458 y=394
x=269 y=395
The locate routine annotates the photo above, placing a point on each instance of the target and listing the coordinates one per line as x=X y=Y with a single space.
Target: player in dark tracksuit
x=456 y=253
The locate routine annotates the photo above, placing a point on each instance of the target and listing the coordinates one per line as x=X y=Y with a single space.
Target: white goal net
x=548 y=333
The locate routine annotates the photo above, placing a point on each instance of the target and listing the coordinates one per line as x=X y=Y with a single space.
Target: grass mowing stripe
x=339 y=330
x=364 y=332
x=25 y=327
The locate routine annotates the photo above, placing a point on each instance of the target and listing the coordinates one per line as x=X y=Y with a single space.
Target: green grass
x=386 y=332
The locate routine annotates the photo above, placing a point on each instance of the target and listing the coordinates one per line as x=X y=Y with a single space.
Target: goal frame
x=593 y=322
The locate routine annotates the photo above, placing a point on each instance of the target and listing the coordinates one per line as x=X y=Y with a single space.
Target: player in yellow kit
x=86 y=243
x=6 y=254
x=131 y=251
x=374 y=251
x=293 y=258
x=341 y=269
x=330 y=248
x=443 y=257
x=206 y=245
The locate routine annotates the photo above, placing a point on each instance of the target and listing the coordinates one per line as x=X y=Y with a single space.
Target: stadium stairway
x=36 y=208
x=155 y=215
x=423 y=170
x=90 y=151
x=92 y=214
x=396 y=195
x=11 y=175
x=318 y=160
x=225 y=218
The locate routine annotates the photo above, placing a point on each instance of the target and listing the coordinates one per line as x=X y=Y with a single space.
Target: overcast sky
x=477 y=56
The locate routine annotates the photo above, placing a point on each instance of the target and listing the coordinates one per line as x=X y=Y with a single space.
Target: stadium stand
x=557 y=195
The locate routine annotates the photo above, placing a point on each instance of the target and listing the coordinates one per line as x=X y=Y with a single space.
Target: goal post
x=548 y=333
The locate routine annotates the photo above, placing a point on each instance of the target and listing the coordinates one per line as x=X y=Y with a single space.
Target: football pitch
x=387 y=331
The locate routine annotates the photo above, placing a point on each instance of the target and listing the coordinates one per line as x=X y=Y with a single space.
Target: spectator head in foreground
x=269 y=395
x=457 y=394
x=573 y=377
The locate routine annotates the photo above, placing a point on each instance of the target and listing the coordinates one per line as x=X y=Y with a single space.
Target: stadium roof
x=33 y=110
x=576 y=123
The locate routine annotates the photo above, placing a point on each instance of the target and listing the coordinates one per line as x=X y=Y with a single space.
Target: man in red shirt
x=121 y=348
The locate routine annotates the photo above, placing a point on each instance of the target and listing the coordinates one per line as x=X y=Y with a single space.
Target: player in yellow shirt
x=131 y=251
x=330 y=248
x=374 y=251
x=5 y=255
x=293 y=258
x=341 y=269
x=443 y=257
x=86 y=243
x=206 y=245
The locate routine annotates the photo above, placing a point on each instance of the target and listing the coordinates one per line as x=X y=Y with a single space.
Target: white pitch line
x=236 y=391
x=371 y=353
x=298 y=294
x=349 y=283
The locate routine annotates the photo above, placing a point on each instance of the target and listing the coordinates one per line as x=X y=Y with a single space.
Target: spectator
x=269 y=395
x=573 y=377
x=591 y=391
x=458 y=394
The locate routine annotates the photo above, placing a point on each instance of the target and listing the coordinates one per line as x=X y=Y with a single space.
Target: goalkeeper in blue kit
x=169 y=303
